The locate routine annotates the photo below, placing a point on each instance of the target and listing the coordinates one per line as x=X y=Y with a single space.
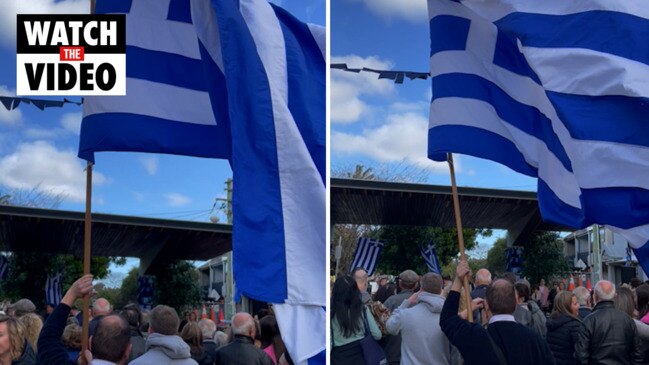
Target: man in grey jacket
x=164 y=346
x=417 y=319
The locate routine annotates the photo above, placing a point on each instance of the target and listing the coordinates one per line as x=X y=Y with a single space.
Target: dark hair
x=432 y=283
x=346 y=305
x=624 y=300
x=132 y=315
x=270 y=335
x=635 y=282
x=111 y=338
x=193 y=336
x=164 y=320
x=642 y=295
x=523 y=291
x=501 y=297
x=509 y=276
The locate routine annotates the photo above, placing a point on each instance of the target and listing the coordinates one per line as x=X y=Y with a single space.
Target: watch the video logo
x=71 y=54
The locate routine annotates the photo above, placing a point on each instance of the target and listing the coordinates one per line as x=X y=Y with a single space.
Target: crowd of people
x=130 y=336
x=423 y=320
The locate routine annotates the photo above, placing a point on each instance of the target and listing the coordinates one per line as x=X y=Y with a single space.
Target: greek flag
x=430 y=257
x=53 y=289
x=4 y=267
x=557 y=90
x=367 y=254
x=144 y=293
x=241 y=80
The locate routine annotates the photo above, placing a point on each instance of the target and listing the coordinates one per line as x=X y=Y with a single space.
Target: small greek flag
x=429 y=255
x=53 y=289
x=367 y=254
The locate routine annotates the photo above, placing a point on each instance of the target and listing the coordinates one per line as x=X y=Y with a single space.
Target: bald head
x=101 y=307
x=243 y=324
x=482 y=277
x=604 y=290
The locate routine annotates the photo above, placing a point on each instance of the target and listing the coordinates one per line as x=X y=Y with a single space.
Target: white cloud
x=177 y=200
x=348 y=87
x=72 y=122
x=39 y=133
x=40 y=164
x=10 y=8
x=9 y=117
x=139 y=197
x=415 y=11
x=150 y=164
x=403 y=136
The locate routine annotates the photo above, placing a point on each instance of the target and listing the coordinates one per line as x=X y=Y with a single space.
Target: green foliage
x=29 y=270
x=496 y=260
x=401 y=250
x=177 y=286
x=128 y=290
x=543 y=257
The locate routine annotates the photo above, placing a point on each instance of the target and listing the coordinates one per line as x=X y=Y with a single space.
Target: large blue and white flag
x=53 y=293
x=430 y=257
x=367 y=254
x=244 y=81
x=553 y=89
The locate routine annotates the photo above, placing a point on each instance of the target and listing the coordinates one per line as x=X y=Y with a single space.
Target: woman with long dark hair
x=348 y=318
x=271 y=339
x=563 y=328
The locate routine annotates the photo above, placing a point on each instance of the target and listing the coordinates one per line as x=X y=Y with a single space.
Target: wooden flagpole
x=86 y=257
x=460 y=236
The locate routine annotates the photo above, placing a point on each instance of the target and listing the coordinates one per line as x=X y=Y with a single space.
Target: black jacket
x=241 y=351
x=27 y=358
x=584 y=312
x=608 y=336
x=519 y=344
x=562 y=335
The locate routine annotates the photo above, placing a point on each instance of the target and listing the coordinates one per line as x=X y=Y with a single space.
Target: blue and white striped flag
x=53 y=293
x=241 y=80
x=553 y=89
x=430 y=257
x=4 y=267
x=367 y=254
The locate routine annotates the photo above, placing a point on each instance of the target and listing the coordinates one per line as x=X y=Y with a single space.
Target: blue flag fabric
x=144 y=295
x=430 y=257
x=557 y=90
x=244 y=81
x=4 y=267
x=53 y=293
x=367 y=254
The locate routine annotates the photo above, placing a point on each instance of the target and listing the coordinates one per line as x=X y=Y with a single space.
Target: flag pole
x=460 y=236
x=86 y=257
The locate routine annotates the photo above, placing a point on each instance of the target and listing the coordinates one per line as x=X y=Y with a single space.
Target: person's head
x=22 y=307
x=635 y=282
x=509 y=276
x=562 y=286
x=163 y=320
x=360 y=275
x=101 y=307
x=111 y=340
x=208 y=327
x=604 y=290
x=501 y=297
x=244 y=325
x=542 y=282
x=221 y=338
x=431 y=283
x=522 y=292
x=33 y=325
x=583 y=296
x=72 y=337
x=383 y=281
x=346 y=305
x=482 y=277
x=625 y=301
x=193 y=336
x=270 y=335
x=408 y=280
x=12 y=340
x=132 y=315
x=49 y=308
x=565 y=302
x=642 y=297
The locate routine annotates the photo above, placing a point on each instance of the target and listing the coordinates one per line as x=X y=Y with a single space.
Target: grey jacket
x=422 y=340
x=162 y=350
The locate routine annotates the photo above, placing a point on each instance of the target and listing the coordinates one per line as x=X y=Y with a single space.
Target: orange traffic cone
x=571 y=286
x=221 y=317
x=212 y=314
x=195 y=313
x=588 y=286
x=579 y=282
x=204 y=313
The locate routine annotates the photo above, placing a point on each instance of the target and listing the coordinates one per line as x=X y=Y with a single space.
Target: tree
x=496 y=260
x=543 y=257
x=401 y=250
x=128 y=290
x=177 y=286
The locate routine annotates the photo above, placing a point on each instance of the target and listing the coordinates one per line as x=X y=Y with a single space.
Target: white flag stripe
x=497 y=9
x=606 y=74
x=206 y=25
x=192 y=106
x=448 y=111
x=162 y=35
x=367 y=254
x=158 y=9
x=637 y=236
x=320 y=35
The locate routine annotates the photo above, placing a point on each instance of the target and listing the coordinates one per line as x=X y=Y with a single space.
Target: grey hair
x=208 y=327
x=483 y=278
x=245 y=328
x=601 y=294
x=582 y=295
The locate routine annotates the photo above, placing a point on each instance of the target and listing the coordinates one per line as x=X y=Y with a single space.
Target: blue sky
x=38 y=148
x=378 y=123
